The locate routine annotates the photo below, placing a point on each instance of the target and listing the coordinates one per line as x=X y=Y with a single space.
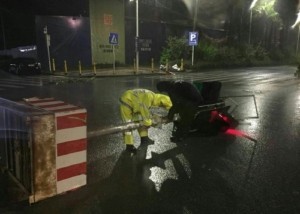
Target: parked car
x=23 y=66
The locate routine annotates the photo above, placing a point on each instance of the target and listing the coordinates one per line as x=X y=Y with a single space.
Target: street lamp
x=137 y=35
x=250 y=24
x=293 y=26
x=298 y=36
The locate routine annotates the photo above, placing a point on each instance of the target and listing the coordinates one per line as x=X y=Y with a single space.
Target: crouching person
x=135 y=105
x=210 y=91
x=185 y=98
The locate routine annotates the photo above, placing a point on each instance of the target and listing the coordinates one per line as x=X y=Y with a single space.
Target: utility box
x=28 y=148
x=66 y=155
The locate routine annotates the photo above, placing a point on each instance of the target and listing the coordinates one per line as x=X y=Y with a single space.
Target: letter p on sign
x=193 y=38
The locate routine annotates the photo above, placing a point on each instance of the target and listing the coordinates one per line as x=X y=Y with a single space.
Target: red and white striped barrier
x=70 y=142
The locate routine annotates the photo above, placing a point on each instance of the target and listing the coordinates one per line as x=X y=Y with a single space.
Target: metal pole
x=47 y=37
x=253 y=3
x=297 y=47
x=114 y=56
x=48 y=50
x=3 y=32
x=193 y=51
x=79 y=67
x=94 y=68
x=250 y=27
x=114 y=129
x=195 y=15
x=194 y=26
x=137 y=36
x=120 y=128
x=53 y=65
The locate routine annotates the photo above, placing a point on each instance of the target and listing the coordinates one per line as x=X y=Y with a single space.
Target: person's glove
x=156 y=119
x=176 y=117
x=157 y=125
x=142 y=125
x=165 y=120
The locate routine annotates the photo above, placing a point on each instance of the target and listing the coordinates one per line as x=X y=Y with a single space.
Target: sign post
x=193 y=40
x=114 y=40
x=47 y=37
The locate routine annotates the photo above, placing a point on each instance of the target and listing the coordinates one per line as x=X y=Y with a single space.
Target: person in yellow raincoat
x=136 y=103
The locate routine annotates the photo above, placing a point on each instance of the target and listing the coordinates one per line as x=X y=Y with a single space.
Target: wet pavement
x=225 y=173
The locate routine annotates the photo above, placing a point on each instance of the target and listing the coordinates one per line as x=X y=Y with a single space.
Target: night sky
x=18 y=18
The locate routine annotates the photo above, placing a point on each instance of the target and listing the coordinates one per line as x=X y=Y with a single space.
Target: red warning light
x=239 y=133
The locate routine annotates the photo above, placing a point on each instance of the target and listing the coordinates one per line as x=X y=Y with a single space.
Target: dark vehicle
x=23 y=66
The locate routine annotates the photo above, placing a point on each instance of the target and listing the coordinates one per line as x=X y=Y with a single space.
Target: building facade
x=107 y=28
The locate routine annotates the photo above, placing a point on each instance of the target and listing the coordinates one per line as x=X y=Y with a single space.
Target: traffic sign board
x=193 y=38
x=113 y=38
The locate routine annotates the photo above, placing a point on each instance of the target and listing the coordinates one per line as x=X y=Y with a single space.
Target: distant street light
x=297 y=47
x=250 y=27
x=250 y=22
x=137 y=35
x=293 y=26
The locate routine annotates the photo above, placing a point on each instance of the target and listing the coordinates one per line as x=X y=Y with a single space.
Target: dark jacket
x=184 y=96
x=180 y=89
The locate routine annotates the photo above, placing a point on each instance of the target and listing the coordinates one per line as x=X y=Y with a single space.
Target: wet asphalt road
x=217 y=174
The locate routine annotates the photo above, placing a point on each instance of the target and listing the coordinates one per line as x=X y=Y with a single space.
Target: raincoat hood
x=161 y=100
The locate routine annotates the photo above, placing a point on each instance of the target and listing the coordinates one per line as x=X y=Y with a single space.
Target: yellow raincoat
x=135 y=106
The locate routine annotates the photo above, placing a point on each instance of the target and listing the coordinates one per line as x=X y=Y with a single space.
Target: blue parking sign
x=193 y=38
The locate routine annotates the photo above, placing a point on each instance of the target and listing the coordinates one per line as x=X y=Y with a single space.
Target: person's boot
x=146 y=141
x=131 y=149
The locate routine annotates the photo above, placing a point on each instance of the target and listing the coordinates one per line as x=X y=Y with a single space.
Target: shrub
x=176 y=48
x=214 y=54
x=206 y=51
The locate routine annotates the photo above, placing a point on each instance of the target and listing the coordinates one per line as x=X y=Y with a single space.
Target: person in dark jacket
x=185 y=98
x=210 y=91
